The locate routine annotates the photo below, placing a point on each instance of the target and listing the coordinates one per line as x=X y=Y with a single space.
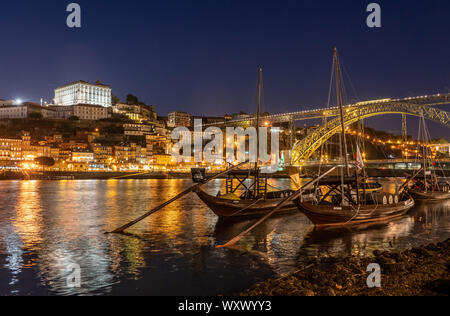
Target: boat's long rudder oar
x=276 y=209
x=185 y=192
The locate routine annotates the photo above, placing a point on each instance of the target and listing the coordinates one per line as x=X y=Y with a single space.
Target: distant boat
x=428 y=188
x=430 y=196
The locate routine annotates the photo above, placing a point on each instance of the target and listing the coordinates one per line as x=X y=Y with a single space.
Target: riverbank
x=100 y=175
x=423 y=271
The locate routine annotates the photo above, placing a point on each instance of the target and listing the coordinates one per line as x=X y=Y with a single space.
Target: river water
x=47 y=226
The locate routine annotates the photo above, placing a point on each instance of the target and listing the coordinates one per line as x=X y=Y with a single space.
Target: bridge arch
x=303 y=149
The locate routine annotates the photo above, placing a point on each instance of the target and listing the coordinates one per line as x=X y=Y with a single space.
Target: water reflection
x=46 y=226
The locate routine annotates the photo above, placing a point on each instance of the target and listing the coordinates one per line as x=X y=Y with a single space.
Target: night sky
x=202 y=56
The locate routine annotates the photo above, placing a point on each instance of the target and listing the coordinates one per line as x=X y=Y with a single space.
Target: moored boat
x=328 y=210
x=430 y=195
x=254 y=197
x=323 y=216
x=351 y=200
x=428 y=187
x=225 y=207
x=254 y=200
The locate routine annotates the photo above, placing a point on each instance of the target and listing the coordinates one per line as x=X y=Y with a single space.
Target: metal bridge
x=432 y=100
x=378 y=162
x=302 y=150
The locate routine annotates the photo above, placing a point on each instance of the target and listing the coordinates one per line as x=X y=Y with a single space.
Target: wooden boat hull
x=326 y=216
x=242 y=208
x=429 y=196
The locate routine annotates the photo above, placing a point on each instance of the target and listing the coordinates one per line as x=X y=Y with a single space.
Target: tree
x=132 y=99
x=113 y=129
x=74 y=118
x=35 y=116
x=45 y=161
x=114 y=100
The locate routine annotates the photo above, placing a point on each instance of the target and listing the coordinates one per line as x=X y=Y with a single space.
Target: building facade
x=137 y=113
x=102 y=154
x=82 y=156
x=179 y=119
x=90 y=112
x=26 y=110
x=7 y=102
x=82 y=92
x=10 y=149
x=441 y=148
x=138 y=129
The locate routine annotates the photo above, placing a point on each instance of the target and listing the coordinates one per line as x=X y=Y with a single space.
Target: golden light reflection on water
x=45 y=226
x=28 y=217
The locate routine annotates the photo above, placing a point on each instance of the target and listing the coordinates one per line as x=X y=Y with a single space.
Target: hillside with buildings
x=87 y=128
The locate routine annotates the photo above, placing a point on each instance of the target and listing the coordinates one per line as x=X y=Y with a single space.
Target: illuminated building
x=141 y=155
x=163 y=160
x=10 y=149
x=26 y=110
x=138 y=129
x=102 y=154
x=442 y=148
x=34 y=151
x=90 y=112
x=54 y=153
x=122 y=154
x=179 y=119
x=137 y=113
x=82 y=112
x=82 y=156
x=82 y=92
x=158 y=144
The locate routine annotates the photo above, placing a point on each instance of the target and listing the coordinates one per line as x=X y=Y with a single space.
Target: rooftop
x=90 y=105
x=26 y=104
x=96 y=84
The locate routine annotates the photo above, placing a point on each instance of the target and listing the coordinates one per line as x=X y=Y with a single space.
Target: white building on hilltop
x=82 y=92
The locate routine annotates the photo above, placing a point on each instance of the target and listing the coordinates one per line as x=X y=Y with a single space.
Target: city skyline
x=224 y=153
x=202 y=57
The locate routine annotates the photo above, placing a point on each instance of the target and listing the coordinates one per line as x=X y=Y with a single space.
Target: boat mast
x=258 y=113
x=425 y=153
x=341 y=110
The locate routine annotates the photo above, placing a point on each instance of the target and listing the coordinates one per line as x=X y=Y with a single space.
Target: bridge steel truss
x=432 y=100
x=303 y=149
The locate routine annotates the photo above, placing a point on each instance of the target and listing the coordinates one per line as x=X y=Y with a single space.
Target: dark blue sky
x=202 y=56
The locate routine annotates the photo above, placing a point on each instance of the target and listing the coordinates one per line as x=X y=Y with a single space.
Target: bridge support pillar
x=292 y=132
x=404 y=128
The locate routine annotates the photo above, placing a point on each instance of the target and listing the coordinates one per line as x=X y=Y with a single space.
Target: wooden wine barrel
x=391 y=199
x=396 y=199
